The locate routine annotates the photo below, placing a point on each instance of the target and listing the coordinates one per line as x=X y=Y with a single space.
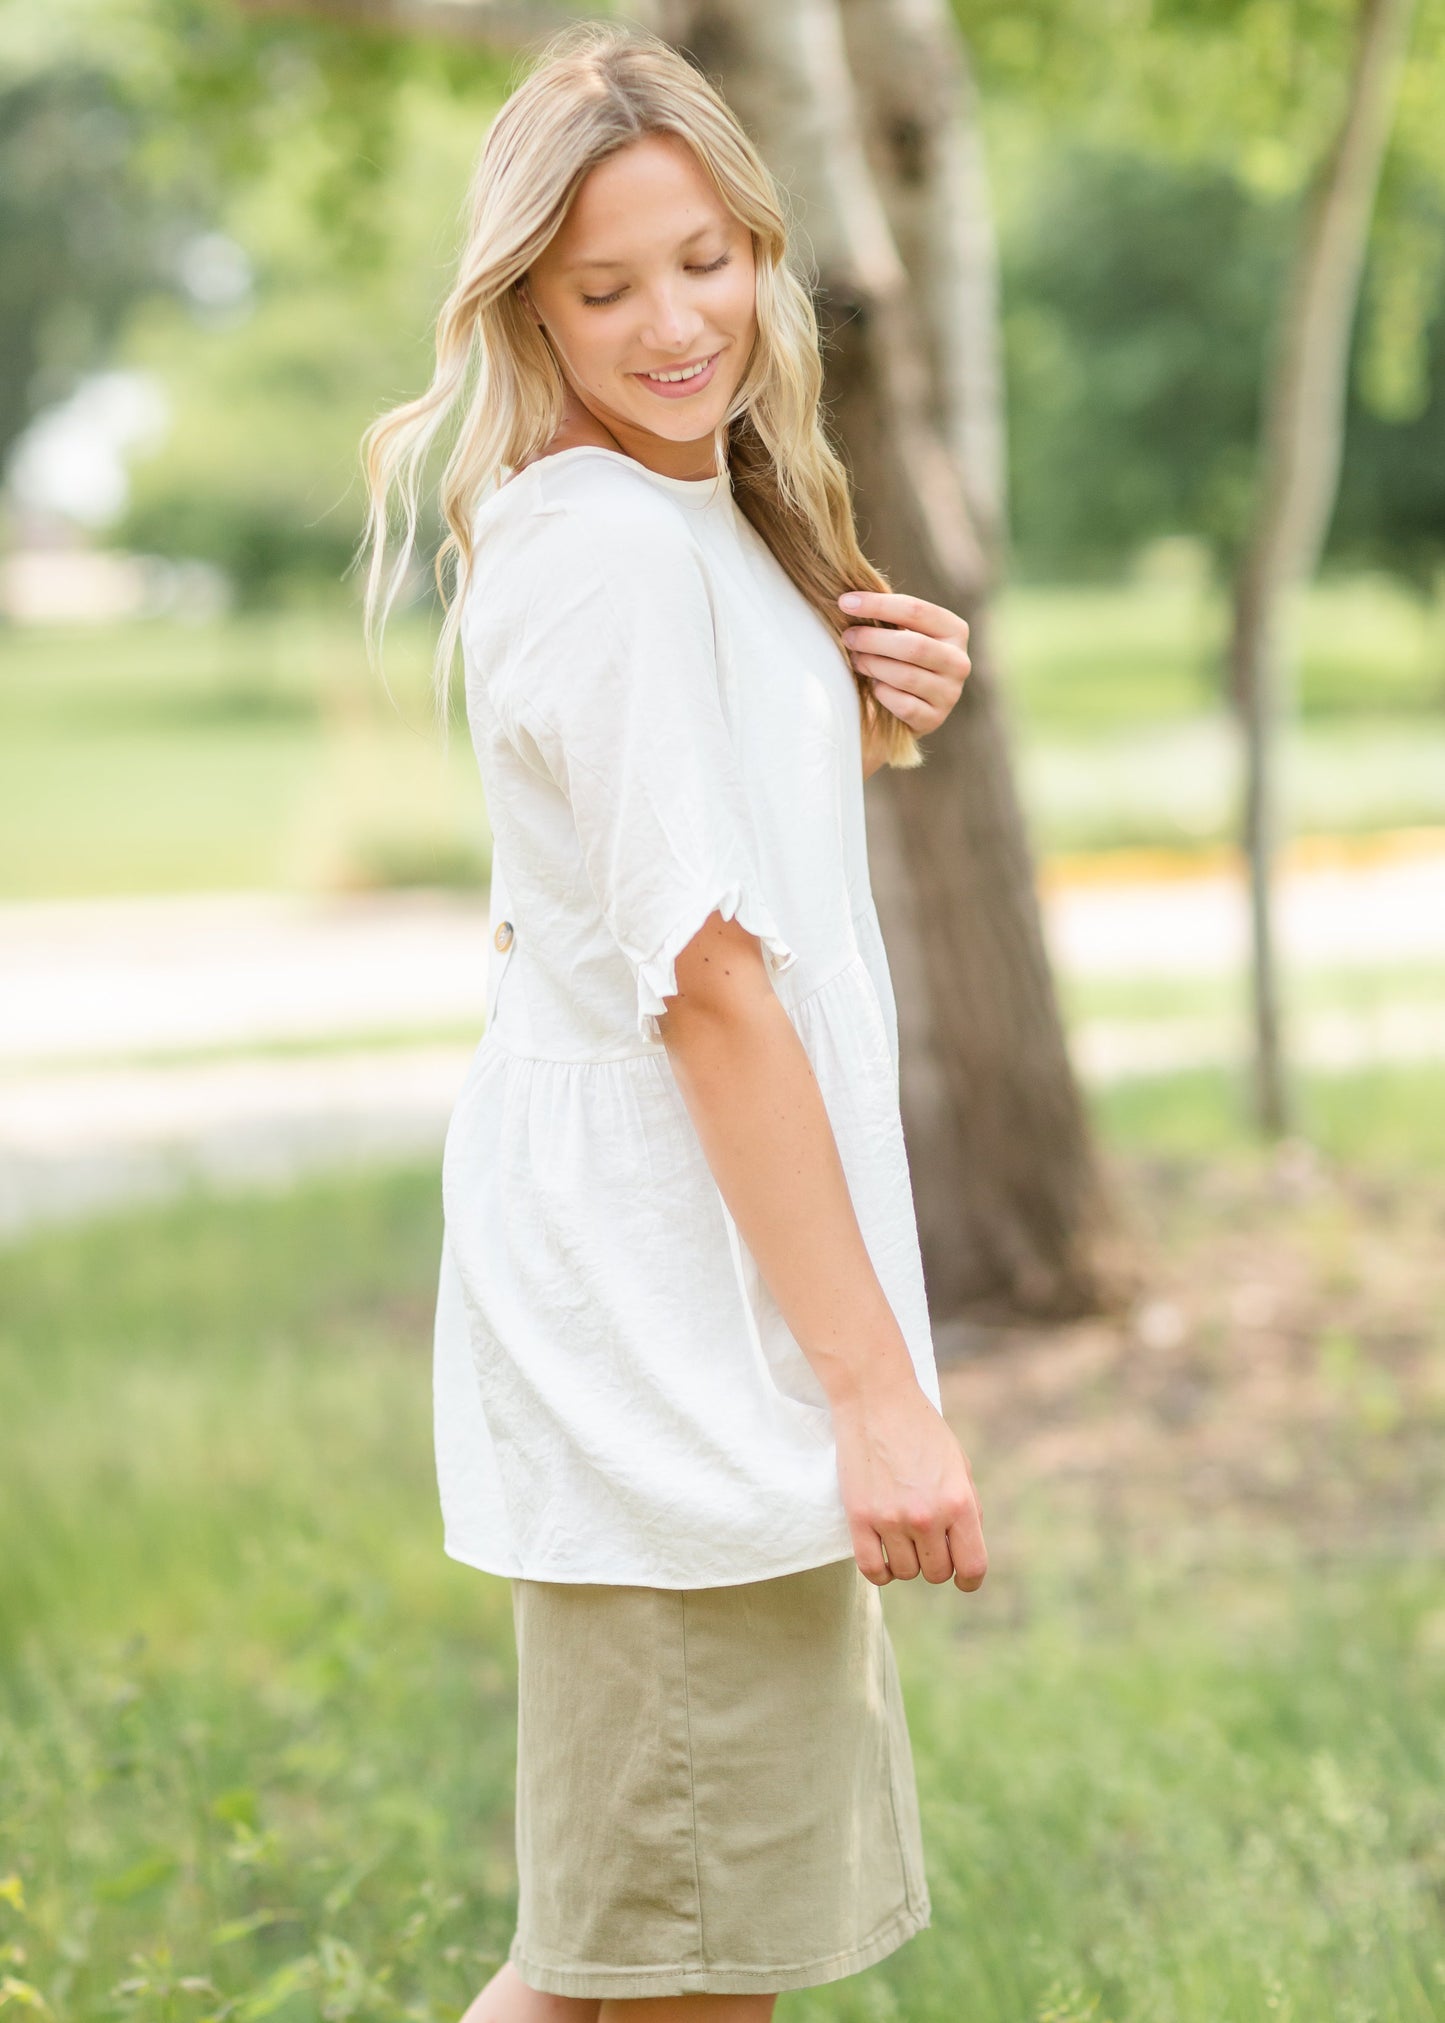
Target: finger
x=939 y=691
x=969 y=1555
x=935 y=1557
x=899 y=609
x=918 y=715
x=902 y=1559
x=943 y=656
x=868 y=1551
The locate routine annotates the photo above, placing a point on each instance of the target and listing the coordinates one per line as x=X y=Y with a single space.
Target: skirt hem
x=715 y=1978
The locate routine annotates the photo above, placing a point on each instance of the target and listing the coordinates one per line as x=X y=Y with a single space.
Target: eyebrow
x=577 y=266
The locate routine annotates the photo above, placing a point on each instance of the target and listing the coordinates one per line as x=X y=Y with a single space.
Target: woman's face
x=650 y=273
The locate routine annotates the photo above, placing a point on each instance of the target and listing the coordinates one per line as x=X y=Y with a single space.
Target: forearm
x=755 y=1102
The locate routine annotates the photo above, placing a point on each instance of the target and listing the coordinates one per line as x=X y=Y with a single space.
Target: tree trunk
x=1301 y=442
x=889 y=189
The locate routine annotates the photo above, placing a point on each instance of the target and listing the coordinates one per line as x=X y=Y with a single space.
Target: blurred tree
x=147 y=145
x=270 y=393
x=81 y=231
x=1155 y=164
x=1137 y=292
x=1391 y=510
x=1148 y=175
x=1300 y=451
x=1271 y=79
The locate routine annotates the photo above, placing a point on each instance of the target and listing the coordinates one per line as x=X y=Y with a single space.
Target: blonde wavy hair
x=596 y=87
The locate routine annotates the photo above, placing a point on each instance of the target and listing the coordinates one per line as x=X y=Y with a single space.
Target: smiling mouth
x=677 y=375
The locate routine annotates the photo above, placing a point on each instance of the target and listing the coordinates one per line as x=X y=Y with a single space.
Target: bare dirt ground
x=1279 y=1384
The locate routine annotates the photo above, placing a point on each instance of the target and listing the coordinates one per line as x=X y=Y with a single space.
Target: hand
x=908 y=1491
x=917 y=672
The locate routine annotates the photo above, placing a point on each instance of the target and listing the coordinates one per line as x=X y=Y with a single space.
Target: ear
x=526 y=301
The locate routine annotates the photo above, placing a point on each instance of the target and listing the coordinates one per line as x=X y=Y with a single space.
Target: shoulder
x=587 y=564
x=601 y=509
x=580 y=528
x=581 y=501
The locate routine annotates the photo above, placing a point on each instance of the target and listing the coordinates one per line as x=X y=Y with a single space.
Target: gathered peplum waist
x=540 y=1009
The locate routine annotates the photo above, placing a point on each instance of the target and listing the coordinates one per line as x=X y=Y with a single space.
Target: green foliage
x=82 y=236
x=1139 y=297
x=1148 y=161
x=1391 y=509
x=256 y=1732
x=260 y=472
x=322 y=152
x=1139 y=303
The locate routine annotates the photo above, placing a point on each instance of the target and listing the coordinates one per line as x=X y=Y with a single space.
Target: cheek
x=739 y=307
x=593 y=345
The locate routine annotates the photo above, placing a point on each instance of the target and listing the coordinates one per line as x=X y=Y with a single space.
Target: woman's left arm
x=919 y=670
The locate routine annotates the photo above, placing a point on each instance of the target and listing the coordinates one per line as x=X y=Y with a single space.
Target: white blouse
x=665 y=728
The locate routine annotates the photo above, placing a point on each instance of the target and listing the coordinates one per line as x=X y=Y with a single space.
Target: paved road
x=100 y=999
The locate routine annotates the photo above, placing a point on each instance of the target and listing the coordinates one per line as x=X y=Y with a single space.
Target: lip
x=679 y=389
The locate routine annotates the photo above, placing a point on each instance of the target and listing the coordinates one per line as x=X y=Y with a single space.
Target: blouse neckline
x=698 y=493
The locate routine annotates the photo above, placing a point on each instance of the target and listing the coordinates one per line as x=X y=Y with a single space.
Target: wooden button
x=503 y=936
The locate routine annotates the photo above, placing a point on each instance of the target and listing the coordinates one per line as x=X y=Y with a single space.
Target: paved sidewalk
x=98 y=979
x=133 y=1033
x=80 y=1141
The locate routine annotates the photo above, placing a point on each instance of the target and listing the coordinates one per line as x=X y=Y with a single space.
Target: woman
x=685 y=1391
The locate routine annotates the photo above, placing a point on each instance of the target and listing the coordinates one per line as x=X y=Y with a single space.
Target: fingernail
x=850 y=600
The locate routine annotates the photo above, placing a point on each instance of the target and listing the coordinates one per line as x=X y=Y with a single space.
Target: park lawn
x=256 y=1731
x=257 y=753
x=1360 y=989
x=1092 y=659
x=1392 y=1118
x=261 y=751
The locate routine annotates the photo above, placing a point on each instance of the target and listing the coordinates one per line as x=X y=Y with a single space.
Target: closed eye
x=601 y=301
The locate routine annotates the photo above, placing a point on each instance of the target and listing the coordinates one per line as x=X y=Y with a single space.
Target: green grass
x=1178 y=785
x=1360 y=991
x=1086 y=661
x=1390 y=1115
x=256 y=1731
x=1124 y=739
x=262 y=752
x=1390 y=1118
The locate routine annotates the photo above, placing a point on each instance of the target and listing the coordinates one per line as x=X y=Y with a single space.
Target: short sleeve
x=619 y=691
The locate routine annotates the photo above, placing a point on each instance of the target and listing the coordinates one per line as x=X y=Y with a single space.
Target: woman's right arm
x=754 y=1099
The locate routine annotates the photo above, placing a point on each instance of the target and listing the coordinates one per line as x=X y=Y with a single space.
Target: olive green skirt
x=715 y=1789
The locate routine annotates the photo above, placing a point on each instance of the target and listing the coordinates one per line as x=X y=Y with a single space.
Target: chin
x=689 y=429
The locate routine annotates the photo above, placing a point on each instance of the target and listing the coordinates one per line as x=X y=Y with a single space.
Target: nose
x=670 y=324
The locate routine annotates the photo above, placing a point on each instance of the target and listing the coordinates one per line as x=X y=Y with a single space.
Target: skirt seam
x=692 y=1787
x=892 y=1687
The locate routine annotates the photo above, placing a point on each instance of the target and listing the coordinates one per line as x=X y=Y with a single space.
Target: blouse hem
x=637 y=1577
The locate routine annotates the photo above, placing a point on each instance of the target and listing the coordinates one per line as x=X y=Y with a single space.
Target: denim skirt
x=715 y=1787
